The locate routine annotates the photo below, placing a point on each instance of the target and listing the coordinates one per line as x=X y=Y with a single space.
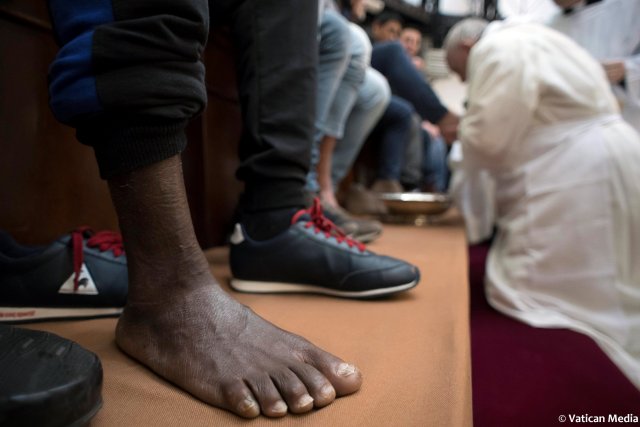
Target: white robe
x=542 y=121
x=610 y=31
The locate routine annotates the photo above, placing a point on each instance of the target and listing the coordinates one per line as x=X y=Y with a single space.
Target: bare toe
x=294 y=391
x=240 y=400
x=316 y=383
x=271 y=403
x=345 y=377
x=251 y=366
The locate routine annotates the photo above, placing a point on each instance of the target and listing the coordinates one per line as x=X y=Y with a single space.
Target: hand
x=449 y=127
x=433 y=130
x=418 y=63
x=615 y=71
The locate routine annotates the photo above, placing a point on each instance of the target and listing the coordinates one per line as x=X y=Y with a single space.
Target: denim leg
x=373 y=97
x=395 y=129
x=333 y=59
x=406 y=81
x=435 y=169
x=344 y=100
x=347 y=93
x=335 y=49
x=411 y=173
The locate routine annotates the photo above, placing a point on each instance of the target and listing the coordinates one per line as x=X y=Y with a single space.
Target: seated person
x=411 y=40
x=397 y=135
x=387 y=26
x=344 y=75
x=434 y=172
x=390 y=58
x=543 y=123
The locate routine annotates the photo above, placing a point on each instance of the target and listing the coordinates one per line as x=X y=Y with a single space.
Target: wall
x=49 y=183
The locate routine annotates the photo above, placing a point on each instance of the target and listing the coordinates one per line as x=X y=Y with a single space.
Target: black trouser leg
x=128 y=76
x=276 y=48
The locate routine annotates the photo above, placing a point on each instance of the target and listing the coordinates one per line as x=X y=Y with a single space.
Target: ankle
x=264 y=225
x=160 y=281
x=329 y=198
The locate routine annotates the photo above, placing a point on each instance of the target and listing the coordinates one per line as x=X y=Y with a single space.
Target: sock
x=264 y=225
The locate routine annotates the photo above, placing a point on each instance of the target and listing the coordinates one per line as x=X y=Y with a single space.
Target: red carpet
x=525 y=376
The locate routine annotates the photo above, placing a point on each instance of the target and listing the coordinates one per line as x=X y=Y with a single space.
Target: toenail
x=279 y=407
x=346 y=369
x=247 y=404
x=327 y=391
x=305 y=401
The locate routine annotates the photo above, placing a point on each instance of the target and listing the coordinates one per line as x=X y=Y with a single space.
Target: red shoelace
x=322 y=224
x=103 y=240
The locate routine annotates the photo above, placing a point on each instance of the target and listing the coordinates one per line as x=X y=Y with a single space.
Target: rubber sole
x=254 y=287
x=47 y=381
x=36 y=314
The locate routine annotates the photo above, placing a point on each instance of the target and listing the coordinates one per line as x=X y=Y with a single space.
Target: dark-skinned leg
x=130 y=98
x=181 y=324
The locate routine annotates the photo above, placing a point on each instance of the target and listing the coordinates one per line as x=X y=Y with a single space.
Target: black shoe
x=314 y=256
x=46 y=380
x=80 y=275
x=364 y=230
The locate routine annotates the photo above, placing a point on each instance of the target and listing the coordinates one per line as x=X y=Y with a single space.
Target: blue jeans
x=334 y=56
x=406 y=81
x=345 y=53
x=394 y=131
x=435 y=171
x=353 y=78
x=373 y=97
x=411 y=174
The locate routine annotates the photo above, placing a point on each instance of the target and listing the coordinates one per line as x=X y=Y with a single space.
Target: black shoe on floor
x=80 y=275
x=364 y=230
x=46 y=380
x=314 y=256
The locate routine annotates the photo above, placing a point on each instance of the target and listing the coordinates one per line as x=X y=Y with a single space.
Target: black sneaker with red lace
x=315 y=256
x=81 y=275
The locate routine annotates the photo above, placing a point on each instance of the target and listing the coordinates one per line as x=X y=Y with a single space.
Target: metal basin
x=416 y=203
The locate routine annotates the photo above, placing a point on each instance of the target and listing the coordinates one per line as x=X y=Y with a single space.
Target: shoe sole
x=254 y=287
x=36 y=314
x=47 y=380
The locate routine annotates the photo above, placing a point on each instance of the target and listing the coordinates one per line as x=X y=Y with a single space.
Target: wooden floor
x=413 y=349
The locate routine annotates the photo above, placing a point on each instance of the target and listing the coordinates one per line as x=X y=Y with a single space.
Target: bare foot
x=179 y=323
x=208 y=344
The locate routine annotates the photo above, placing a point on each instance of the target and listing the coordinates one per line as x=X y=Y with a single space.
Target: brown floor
x=413 y=349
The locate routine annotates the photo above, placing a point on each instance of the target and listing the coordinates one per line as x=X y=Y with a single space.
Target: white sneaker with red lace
x=81 y=275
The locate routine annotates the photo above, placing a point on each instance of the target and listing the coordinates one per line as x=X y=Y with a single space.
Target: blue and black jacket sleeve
x=129 y=76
